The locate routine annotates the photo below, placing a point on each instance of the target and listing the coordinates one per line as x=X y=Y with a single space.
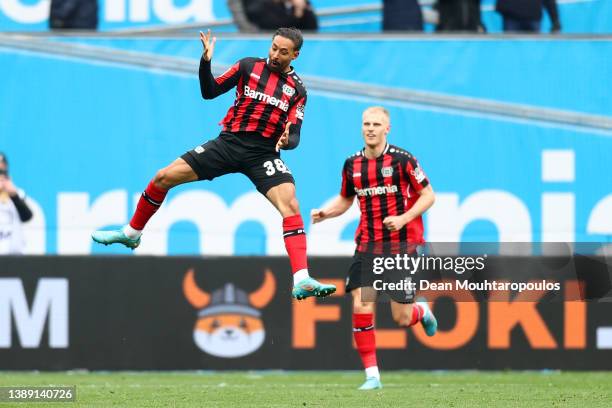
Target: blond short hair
x=378 y=109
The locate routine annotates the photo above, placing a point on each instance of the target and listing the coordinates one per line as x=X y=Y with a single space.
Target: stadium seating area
x=577 y=16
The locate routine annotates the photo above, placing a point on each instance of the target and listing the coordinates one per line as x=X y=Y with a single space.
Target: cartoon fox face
x=229 y=323
x=229 y=335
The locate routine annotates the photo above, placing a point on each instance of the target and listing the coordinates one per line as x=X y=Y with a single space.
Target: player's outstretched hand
x=317 y=215
x=209 y=44
x=284 y=139
x=394 y=223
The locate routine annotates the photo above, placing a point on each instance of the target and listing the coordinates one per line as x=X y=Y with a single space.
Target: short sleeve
x=348 y=188
x=416 y=175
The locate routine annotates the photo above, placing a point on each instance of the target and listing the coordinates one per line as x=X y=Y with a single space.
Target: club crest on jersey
x=418 y=174
x=287 y=90
x=387 y=171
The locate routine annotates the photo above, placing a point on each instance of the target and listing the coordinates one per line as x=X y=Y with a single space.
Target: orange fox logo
x=229 y=321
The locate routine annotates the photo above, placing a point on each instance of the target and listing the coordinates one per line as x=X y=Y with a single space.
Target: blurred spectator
x=526 y=15
x=272 y=14
x=13 y=212
x=73 y=14
x=402 y=15
x=459 y=15
x=240 y=18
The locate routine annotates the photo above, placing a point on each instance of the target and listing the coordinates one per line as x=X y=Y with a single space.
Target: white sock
x=300 y=276
x=372 y=372
x=131 y=233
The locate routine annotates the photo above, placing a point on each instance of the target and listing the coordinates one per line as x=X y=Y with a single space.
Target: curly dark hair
x=291 y=33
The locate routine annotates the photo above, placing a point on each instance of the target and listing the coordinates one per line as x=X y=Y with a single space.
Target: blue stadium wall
x=577 y=16
x=84 y=137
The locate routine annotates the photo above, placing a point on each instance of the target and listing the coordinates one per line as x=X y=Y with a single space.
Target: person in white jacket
x=13 y=212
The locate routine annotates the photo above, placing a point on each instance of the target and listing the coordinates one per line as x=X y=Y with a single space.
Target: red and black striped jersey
x=265 y=99
x=385 y=186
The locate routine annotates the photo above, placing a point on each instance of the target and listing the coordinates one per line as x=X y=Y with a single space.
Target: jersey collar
x=291 y=70
x=385 y=150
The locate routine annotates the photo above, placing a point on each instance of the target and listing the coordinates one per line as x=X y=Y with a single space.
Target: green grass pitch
x=323 y=389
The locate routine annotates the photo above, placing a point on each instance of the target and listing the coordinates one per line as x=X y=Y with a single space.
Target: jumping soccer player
x=265 y=117
x=393 y=193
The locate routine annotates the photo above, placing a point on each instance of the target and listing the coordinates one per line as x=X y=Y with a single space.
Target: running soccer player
x=266 y=116
x=393 y=193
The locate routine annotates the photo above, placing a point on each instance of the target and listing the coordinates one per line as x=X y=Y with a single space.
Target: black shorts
x=376 y=286
x=245 y=152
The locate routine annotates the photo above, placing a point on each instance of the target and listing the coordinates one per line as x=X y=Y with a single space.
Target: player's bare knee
x=162 y=179
x=289 y=207
x=403 y=318
x=294 y=206
x=363 y=308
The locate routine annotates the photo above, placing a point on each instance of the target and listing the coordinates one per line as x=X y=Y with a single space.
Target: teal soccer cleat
x=429 y=322
x=311 y=287
x=115 y=237
x=371 y=383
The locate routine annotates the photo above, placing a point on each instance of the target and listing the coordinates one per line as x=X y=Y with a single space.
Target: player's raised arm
x=210 y=86
x=208 y=44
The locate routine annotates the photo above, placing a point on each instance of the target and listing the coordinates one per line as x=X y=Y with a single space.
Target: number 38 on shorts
x=276 y=165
